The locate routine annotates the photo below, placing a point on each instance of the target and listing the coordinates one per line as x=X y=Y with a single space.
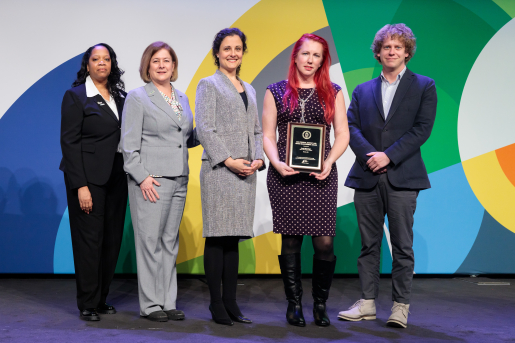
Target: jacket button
x=385 y=130
x=179 y=129
x=180 y=146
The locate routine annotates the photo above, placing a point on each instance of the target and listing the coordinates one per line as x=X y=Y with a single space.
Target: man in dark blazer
x=390 y=117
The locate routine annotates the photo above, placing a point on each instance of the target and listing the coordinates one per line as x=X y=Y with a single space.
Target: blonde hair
x=147 y=56
x=395 y=31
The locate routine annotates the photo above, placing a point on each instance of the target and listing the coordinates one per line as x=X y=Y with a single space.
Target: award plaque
x=305 y=146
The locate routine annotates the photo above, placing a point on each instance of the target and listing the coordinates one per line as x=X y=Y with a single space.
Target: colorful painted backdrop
x=463 y=224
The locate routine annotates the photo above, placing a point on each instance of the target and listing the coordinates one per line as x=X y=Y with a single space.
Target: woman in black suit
x=96 y=185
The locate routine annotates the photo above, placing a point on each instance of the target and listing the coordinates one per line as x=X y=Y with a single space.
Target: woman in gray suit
x=228 y=128
x=156 y=134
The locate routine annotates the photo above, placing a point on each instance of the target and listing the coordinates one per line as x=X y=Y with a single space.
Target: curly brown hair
x=395 y=31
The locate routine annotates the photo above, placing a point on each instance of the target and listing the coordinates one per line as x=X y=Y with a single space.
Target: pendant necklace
x=302 y=104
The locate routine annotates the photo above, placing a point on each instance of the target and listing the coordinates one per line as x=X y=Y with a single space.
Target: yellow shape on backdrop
x=270 y=26
x=266 y=248
x=492 y=188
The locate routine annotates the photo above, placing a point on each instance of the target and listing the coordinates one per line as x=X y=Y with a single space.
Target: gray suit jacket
x=154 y=141
x=224 y=126
x=226 y=129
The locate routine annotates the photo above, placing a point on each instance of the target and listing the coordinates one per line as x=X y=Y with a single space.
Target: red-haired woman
x=305 y=204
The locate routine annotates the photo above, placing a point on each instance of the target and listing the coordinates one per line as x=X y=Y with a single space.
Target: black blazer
x=90 y=133
x=400 y=136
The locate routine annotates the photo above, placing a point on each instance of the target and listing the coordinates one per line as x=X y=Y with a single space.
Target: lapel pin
x=100 y=103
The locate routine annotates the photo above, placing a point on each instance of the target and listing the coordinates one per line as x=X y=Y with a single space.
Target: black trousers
x=97 y=236
x=371 y=207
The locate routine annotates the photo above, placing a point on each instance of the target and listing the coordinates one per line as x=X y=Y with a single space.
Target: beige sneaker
x=399 y=317
x=361 y=310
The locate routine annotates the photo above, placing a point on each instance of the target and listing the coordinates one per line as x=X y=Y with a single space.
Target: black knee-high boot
x=291 y=273
x=323 y=272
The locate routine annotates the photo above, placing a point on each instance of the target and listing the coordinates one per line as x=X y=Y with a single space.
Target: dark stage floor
x=44 y=310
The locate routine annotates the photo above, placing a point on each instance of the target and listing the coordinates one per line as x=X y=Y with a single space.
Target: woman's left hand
x=326 y=169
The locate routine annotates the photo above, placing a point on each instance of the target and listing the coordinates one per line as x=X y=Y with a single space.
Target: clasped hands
x=286 y=170
x=378 y=162
x=241 y=167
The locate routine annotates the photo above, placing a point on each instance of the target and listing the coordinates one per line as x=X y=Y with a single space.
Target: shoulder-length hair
x=324 y=87
x=147 y=56
x=219 y=37
x=395 y=31
x=115 y=83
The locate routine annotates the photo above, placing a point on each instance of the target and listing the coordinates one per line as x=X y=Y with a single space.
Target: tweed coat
x=225 y=129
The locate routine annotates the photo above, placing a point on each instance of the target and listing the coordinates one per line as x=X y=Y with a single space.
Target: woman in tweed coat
x=228 y=129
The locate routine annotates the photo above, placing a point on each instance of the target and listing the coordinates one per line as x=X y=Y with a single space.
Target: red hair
x=324 y=87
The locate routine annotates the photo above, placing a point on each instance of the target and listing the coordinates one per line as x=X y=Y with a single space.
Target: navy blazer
x=400 y=136
x=90 y=133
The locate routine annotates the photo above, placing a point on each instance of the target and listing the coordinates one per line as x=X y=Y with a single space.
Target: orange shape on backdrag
x=506 y=158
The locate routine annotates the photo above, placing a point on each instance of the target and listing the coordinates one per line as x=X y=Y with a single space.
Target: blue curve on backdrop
x=32 y=192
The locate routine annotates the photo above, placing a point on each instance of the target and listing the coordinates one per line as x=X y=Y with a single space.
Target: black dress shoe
x=105 y=308
x=175 y=314
x=239 y=319
x=157 y=316
x=219 y=319
x=90 y=315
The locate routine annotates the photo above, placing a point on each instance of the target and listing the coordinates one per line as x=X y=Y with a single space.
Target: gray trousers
x=371 y=207
x=156 y=234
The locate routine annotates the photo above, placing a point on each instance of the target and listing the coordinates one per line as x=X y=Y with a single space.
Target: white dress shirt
x=92 y=90
x=388 y=91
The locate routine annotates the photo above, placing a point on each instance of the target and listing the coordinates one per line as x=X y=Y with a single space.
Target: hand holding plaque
x=305 y=147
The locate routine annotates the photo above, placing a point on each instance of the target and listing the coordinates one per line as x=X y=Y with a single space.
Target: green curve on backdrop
x=355 y=77
x=354 y=25
x=507 y=6
x=444 y=53
x=441 y=150
x=488 y=10
x=127 y=258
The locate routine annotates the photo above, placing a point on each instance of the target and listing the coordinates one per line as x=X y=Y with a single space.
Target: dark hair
x=219 y=37
x=114 y=80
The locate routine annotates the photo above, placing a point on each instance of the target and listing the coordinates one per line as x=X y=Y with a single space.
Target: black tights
x=221 y=258
x=323 y=245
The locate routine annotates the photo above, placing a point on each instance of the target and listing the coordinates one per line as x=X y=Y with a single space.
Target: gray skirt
x=228 y=202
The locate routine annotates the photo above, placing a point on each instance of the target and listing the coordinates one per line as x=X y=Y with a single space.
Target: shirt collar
x=398 y=76
x=91 y=89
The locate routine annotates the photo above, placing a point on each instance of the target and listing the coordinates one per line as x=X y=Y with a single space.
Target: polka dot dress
x=301 y=204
